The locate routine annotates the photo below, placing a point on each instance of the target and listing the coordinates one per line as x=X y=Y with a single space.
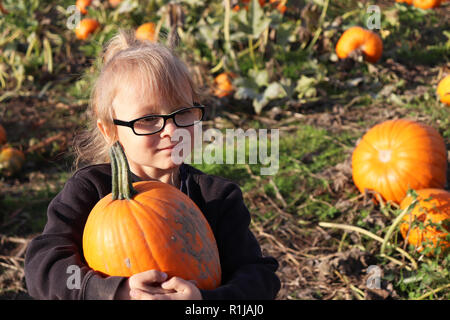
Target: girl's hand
x=176 y=289
x=147 y=281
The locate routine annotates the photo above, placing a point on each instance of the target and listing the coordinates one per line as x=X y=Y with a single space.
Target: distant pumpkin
x=357 y=38
x=82 y=5
x=223 y=85
x=85 y=28
x=433 y=207
x=11 y=161
x=443 y=90
x=146 y=31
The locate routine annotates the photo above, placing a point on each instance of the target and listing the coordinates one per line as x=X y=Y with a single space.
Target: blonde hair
x=128 y=62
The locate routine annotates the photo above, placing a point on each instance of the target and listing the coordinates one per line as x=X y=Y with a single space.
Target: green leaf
x=306 y=87
x=253 y=22
x=257 y=19
x=260 y=77
x=274 y=91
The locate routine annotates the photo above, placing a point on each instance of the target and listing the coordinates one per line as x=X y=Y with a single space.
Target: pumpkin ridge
x=436 y=183
x=143 y=210
x=421 y=160
x=368 y=144
x=142 y=184
x=412 y=177
x=115 y=229
x=400 y=182
x=124 y=233
x=388 y=184
x=120 y=230
x=388 y=135
x=104 y=221
x=427 y=136
x=399 y=128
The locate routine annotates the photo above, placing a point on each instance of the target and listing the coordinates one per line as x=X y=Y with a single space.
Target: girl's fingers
x=148 y=277
x=137 y=294
x=178 y=284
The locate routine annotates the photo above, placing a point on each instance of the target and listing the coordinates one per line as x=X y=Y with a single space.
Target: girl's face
x=146 y=154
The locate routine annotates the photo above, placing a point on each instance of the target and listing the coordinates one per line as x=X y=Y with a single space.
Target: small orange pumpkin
x=223 y=85
x=149 y=225
x=11 y=161
x=399 y=154
x=426 y=4
x=86 y=27
x=82 y=5
x=146 y=31
x=433 y=207
x=357 y=38
x=443 y=90
x=2 y=135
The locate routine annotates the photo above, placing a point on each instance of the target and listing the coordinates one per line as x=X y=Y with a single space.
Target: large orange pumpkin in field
x=399 y=154
x=433 y=207
x=149 y=225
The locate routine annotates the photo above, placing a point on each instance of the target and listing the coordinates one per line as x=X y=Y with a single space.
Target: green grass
x=303 y=154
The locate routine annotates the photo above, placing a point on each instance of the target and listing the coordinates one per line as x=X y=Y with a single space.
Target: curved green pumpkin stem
x=122 y=187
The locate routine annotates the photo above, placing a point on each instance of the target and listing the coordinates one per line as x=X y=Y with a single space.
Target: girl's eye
x=149 y=121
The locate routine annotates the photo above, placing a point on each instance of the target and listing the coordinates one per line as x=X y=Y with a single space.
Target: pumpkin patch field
x=358 y=91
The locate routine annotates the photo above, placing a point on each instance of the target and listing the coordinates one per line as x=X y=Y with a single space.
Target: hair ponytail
x=125 y=39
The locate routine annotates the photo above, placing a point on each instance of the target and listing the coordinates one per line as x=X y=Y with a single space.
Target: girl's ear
x=107 y=134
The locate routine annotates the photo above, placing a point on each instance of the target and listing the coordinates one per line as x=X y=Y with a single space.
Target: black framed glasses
x=152 y=124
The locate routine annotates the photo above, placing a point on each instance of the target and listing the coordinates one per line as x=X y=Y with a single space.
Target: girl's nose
x=169 y=128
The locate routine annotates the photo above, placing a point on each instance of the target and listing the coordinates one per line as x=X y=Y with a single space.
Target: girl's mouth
x=168 y=148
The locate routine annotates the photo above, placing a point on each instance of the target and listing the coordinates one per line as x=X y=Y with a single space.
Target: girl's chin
x=166 y=163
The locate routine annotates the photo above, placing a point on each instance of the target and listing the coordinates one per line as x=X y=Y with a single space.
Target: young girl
x=139 y=80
